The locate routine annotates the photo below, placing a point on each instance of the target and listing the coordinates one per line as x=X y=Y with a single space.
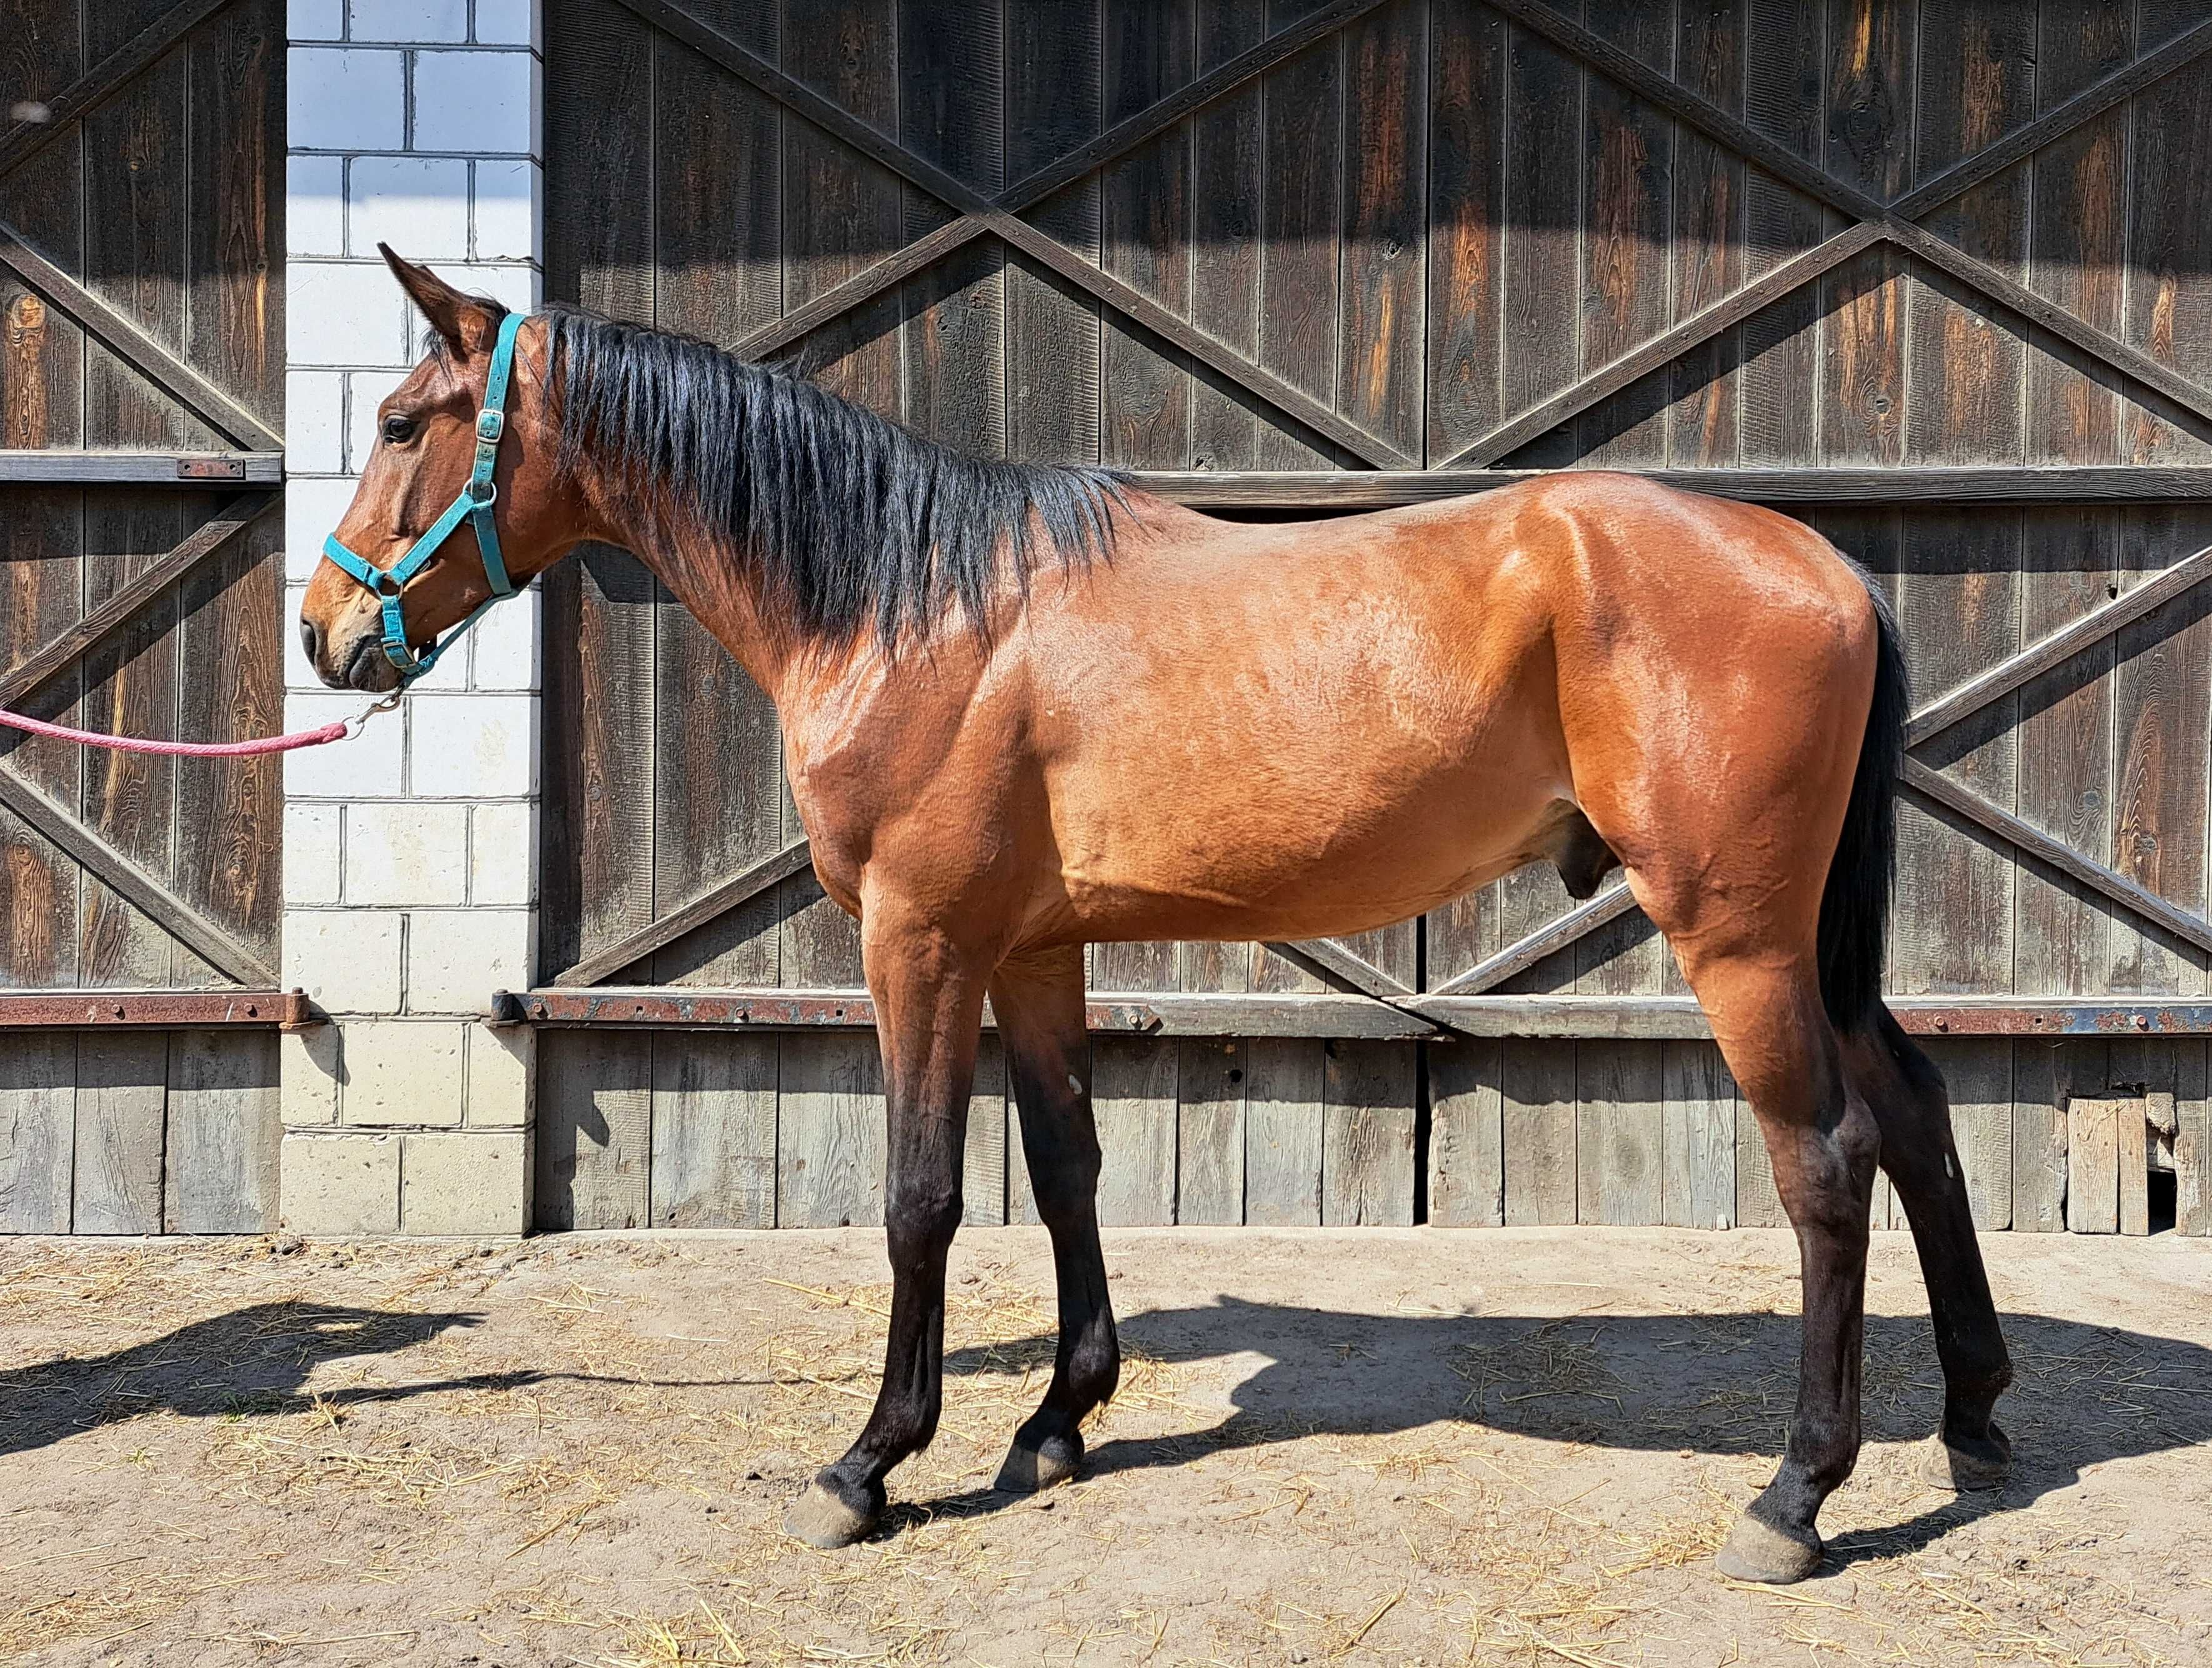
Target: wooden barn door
x=141 y=393
x=1935 y=278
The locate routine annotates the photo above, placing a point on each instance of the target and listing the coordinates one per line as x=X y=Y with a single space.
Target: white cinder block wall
x=410 y=853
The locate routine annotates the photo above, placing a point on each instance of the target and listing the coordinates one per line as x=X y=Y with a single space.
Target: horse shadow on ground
x=1712 y=1384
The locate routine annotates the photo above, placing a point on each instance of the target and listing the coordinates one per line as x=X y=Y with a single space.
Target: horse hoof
x=820 y=1519
x=1981 y=1463
x=1028 y=1470
x=1758 y=1551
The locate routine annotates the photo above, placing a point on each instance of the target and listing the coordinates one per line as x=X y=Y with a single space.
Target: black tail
x=1855 y=908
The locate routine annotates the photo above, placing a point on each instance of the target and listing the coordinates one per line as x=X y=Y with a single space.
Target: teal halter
x=475 y=505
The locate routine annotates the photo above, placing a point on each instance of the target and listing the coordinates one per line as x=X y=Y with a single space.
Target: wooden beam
x=1335 y=965
x=2060 y=646
x=104 y=80
x=2115 y=355
x=1932 y=785
x=1679 y=1018
x=1231 y=1014
x=2057 y=122
x=212 y=943
x=1131 y=304
x=123 y=338
x=1609 y=904
x=747 y=883
x=34 y=671
x=1370 y=489
x=1667 y=346
x=1033 y=188
x=229 y=469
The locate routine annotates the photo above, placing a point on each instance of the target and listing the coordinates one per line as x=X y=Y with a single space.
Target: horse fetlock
x=834 y=1512
x=1968 y=1462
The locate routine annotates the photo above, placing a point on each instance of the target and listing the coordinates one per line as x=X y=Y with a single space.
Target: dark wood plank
x=1367 y=1137
x=1385 y=182
x=717 y=170
x=131 y=687
x=1132 y=1088
x=41 y=542
x=713 y=1131
x=2065 y=730
x=1301 y=230
x=121 y=1103
x=1467 y=1152
x=594 y=1131
x=1976 y=68
x=1145 y=220
x=829 y=1132
x=2161 y=692
x=1708 y=248
x=2167 y=309
x=1053 y=344
x=224 y=1129
x=1628 y=164
x=235 y=324
x=1467 y=228
x=1227 y=171
x=1780 y=347
x=1210 y=1132
x=1958 y=602
x=1541 y=352
x=2078 y=216
x=38 y=1132
x=1868 y=147
x=1283 y=1086
x=952 y=336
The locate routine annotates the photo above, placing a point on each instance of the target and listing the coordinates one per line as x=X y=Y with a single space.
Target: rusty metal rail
x=1411 y=1018
x=163 y=1011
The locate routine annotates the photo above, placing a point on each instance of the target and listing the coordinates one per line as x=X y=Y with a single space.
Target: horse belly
x=1230 y=832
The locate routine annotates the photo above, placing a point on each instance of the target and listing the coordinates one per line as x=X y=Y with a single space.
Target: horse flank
x=856 y=522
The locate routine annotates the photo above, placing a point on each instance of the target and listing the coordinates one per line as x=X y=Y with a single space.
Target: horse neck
x=699 y=569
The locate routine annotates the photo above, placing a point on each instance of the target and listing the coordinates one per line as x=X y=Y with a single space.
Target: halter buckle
x=491 y=423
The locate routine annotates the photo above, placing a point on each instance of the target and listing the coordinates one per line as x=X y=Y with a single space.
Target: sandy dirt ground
x=1366 y=1446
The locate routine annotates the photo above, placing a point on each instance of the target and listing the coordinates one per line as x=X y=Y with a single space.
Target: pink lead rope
x=298 y=738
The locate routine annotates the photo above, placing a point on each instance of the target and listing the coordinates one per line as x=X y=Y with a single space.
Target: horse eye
x=398 y=430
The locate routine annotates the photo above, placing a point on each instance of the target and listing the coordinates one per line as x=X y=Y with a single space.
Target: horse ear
x=465 y=322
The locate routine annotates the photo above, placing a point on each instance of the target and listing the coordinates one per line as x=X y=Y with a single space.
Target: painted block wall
x=410 y=853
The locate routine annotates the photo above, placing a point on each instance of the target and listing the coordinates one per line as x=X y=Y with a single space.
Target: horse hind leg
x=1907 y=1096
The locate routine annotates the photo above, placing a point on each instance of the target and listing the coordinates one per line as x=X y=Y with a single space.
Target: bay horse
x=1026 y=709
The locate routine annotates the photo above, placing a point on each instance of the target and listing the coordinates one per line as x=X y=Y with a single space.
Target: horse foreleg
x=929 y=1012
x=1039 y=1009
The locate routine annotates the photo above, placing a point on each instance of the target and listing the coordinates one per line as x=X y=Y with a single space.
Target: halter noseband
x=475 y=505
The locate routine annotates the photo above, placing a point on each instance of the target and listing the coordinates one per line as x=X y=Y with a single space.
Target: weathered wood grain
x=595 y=1132
x=38 y=1132
x=1698 y=1184
x=121 y=1105
x=830 y=1132
x=1539 y=1119
x=1467 y=1154
x=1133 y=1090
x=224 y=1131
x=1210 y=1132
x=1367 y=1137
x=1284 y=1086
x=713 y=1134
x=2093 y=1161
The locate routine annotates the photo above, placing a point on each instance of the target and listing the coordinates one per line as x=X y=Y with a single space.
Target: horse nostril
x=311 y=641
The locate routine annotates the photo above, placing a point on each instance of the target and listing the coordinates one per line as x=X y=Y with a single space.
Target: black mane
x=853 y=520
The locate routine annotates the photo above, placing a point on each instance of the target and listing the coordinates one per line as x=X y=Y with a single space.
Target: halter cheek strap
x=475 y=505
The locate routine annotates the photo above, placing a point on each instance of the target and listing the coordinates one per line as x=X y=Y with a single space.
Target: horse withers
x=1028 y=708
